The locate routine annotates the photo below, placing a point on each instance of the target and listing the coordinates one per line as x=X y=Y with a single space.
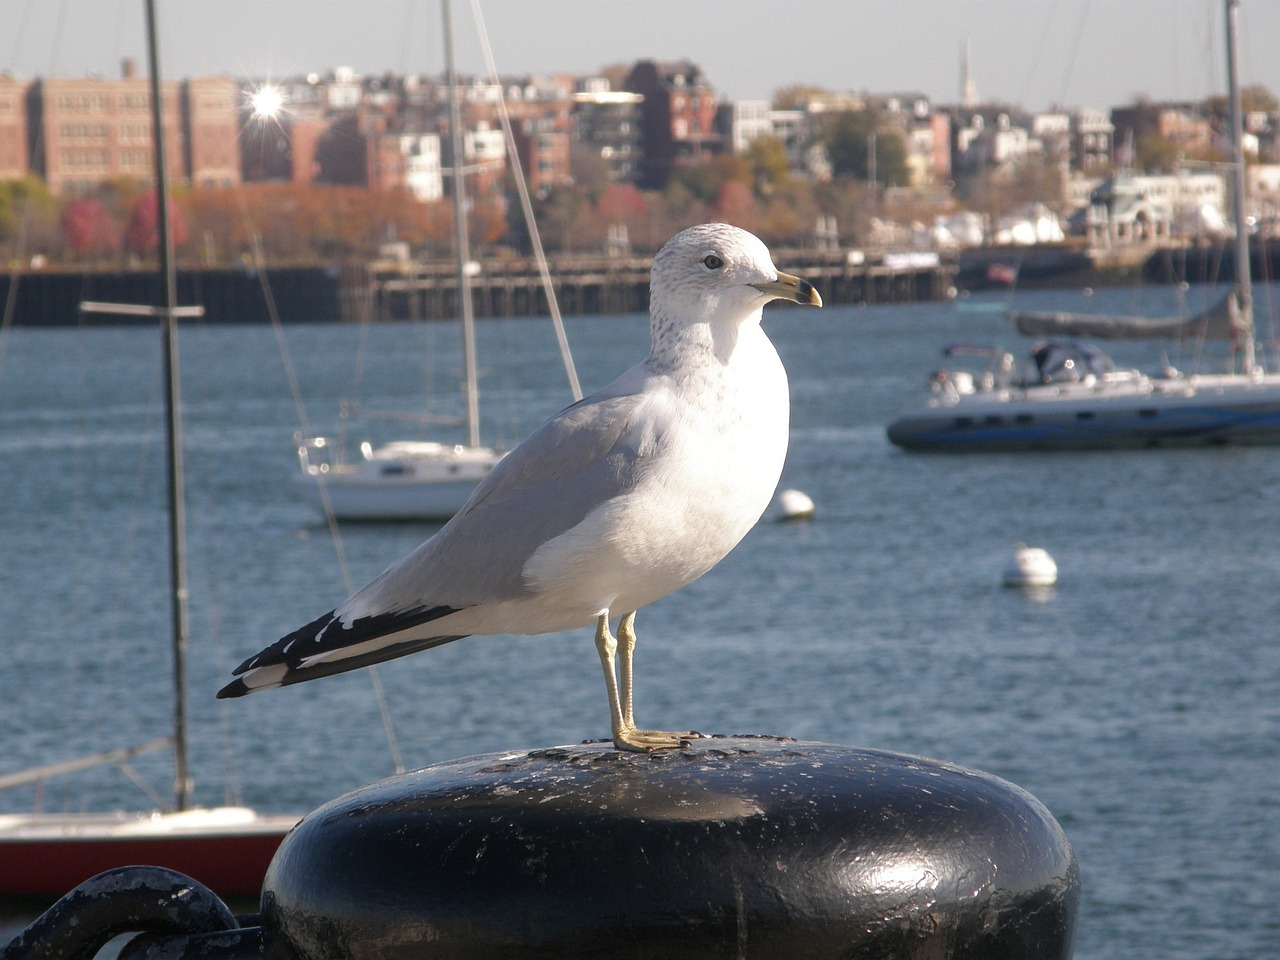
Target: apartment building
x=88 y=131
x=678 y=117
x=13 y=129
x=211 y=123
x=607 y=122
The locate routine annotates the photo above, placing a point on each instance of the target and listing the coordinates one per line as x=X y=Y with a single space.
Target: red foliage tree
x=143 y=233
x=87 y=228
x=736 y=204
x=620 y=202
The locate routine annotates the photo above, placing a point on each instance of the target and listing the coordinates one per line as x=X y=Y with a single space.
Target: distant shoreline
x=595 y=285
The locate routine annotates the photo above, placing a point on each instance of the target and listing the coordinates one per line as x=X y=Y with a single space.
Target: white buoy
x=1030 y=567
x=793 y=505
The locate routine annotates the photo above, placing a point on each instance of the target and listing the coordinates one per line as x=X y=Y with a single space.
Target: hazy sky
x=1028 y=52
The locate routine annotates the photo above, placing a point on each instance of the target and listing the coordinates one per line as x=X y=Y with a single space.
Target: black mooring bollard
x=735 y=847
x=153 y=900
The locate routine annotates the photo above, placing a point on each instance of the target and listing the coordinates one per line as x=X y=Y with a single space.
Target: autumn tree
x=796 y=96
x=620 y=202
x=736 y=204
x=674 y=209
x=28 y=213
x=489 y=221
x=88 y=229
x=560 y=216
x=588 y=169
x=853 y=137
x=705 y=180
x=852 y=202
x=789 y=215
x=1254 y=98
x=1156 y=154
x=770 y=167
x=142 y=236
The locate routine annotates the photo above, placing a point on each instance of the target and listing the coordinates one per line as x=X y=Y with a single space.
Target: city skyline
x=1029 y=54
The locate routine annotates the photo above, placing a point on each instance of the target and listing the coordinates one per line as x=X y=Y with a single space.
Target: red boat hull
x=231 y=865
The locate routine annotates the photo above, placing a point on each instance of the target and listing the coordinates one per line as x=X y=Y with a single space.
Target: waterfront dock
x=512 y=286
x=509 y=286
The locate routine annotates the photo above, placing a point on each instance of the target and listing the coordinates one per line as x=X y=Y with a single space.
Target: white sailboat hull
x=404 y=480
x=1138 y=411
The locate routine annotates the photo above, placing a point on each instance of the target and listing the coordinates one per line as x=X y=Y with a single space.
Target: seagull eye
x=712 y=262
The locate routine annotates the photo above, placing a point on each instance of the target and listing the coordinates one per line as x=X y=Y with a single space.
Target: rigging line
x=1036 y=60
x=291 y=376
x=357 y=386
x=11 y=293
x=331 y=518
x=117 y=42
x=290 y=371
x=527 y=206
x=158 y=801
x=20 y=242
x=127 y=560
x=206 y=544
x=406 y=32
x=1265 y=292
x=18 y=35
x=232 y=792
x=1075 y=51
x=1212 y=36
x=396 y=759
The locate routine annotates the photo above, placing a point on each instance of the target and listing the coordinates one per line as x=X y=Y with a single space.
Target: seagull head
x=716 y=273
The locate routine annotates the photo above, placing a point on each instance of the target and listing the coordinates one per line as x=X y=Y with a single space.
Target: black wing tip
x=236 y=688
x=279 y=654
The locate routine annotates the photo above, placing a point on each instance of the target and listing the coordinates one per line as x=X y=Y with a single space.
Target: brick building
x=677 y=116
x=88 y=131
x=13 y=129
x=1180 y=124
x=540 y=111
x=211 y=122
x=607 y=122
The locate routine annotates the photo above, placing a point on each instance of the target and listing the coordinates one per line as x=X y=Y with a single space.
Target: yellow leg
x=625 y=734
x=607 y=647
x=627 y=638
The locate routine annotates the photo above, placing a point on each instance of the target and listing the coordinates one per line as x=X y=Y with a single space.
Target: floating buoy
x=1030 y=567
x=793 y=505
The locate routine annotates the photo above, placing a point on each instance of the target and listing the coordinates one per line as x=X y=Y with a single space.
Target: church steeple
x=968 y=88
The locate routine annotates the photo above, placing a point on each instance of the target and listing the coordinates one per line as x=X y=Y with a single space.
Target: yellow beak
x=787 y=287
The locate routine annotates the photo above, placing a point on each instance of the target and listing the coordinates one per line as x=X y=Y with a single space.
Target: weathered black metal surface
x=244 y=943
x=124 y=900
x=739 y=847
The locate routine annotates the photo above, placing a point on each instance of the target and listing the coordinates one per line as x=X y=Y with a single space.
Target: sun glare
x=267 y=102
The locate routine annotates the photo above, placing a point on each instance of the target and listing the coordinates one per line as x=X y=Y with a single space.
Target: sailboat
x=226 y=848
x=1073 y=398
x=425 y=479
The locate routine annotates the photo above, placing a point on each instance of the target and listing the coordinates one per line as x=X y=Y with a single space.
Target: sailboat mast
x=173 y=429
x=1244 y=280
x=462 y=242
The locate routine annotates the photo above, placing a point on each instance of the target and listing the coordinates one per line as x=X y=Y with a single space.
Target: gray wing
x=585 y=455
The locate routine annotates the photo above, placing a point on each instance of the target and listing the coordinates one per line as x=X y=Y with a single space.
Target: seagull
x=615 y=502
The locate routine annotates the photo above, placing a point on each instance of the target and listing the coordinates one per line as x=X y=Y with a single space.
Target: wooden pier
x=408 y=290
x=512 y=286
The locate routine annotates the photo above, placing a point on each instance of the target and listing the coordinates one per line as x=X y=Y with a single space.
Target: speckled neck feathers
x=701 y=294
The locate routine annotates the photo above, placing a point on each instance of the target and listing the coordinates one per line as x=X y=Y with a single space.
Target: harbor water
x=1138 y=699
